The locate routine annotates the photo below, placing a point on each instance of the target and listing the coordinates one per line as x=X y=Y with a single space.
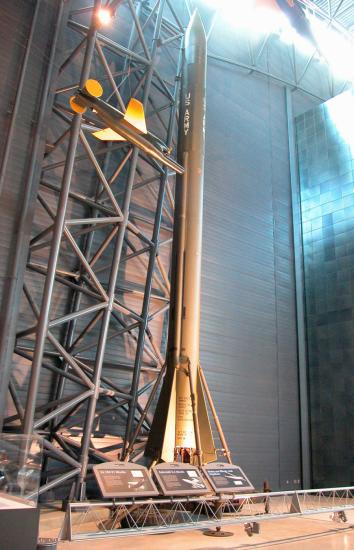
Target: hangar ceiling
x=341 y=11
x=316 y=72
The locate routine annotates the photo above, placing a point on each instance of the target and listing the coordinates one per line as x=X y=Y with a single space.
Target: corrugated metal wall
x=248 y=343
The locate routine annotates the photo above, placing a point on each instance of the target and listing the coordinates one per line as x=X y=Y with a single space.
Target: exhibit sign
x=180 y=479
x=227 y=478
x=124 y=480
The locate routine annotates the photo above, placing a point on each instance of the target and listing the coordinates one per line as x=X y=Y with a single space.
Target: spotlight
x=339 y=517
x=107 y=12
x=104 y=16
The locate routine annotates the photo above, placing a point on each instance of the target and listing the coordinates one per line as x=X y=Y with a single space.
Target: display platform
x=124 y=480
x=227 y=478
x=20 y=469
x=19 y=528
x=9 y=502
x=179 y=479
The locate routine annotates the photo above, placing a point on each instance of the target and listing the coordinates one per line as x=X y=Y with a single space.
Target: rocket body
x=191 y=155
x=174 y=428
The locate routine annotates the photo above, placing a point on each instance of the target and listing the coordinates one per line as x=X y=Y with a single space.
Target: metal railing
x=90 y=520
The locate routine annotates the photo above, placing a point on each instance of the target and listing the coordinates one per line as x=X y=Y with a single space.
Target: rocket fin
x=93 y=88
x=169 y=442
x=135 y=115
x=108 y=135
x=206 y=435
x=77 y=106
x=162 y=436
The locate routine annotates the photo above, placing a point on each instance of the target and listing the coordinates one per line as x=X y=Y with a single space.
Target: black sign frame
x=235 y=480
x=169 y=474
x=128 y=475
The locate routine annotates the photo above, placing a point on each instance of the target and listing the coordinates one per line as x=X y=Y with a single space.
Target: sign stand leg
x=218 y=532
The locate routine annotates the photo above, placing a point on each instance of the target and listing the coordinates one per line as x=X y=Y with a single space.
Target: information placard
x=179 y=479
x=227 y=478
x=123 y=480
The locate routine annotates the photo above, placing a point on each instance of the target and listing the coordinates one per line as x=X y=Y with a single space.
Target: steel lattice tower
x=100 y=251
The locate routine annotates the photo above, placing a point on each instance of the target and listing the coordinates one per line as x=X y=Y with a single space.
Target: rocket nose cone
x=195 y=30
x=196 y=20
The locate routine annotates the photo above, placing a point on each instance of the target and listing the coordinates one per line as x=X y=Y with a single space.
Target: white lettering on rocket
x=186 y=122
x=187 y=116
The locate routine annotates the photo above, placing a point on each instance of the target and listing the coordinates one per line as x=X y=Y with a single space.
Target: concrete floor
x=310 y=533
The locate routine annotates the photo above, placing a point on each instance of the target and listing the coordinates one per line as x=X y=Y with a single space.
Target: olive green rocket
x=181 y=428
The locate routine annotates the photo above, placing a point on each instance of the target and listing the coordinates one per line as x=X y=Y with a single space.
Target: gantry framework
x=101 y=248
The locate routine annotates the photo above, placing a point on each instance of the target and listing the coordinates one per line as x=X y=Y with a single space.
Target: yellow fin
x=135 y=115
x=108 y=135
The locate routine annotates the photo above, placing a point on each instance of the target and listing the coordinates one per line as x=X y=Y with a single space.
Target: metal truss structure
x=92 y=328
x=114 y=519
x=105 y=211
x=339 y=13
